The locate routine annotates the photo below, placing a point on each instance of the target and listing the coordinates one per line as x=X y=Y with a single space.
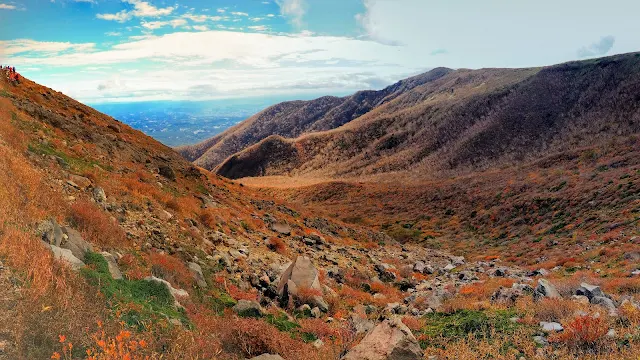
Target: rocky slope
x=460 y=122
x=112 y=247
x=294 y=118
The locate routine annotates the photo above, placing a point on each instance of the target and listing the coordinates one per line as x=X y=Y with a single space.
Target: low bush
x=96 y=226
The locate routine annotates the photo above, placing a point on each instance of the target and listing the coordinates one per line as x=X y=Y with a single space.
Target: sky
x=100 y=51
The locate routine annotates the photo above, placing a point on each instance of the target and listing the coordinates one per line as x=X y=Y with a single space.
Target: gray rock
x=281 y=228
x=550 y=326
x=541 y=340
x=606 y=303
x=589 y=291
x=175 y=293
x=51 y=232
x=301 y=274
x=248 y=308
x=99 y=195
x=449 y=267
x=113 y=266
x=419 y=266
x=196 y=271
x=73 y=241
x=546 y=289
x=316 y=312
x=66 y=256
x=390 y=340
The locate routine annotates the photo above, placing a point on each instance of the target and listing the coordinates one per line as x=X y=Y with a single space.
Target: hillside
x=463 y=121
x=294 y=118
x=114 y=247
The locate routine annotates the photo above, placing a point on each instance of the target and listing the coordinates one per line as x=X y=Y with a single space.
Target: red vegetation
x=97 y=226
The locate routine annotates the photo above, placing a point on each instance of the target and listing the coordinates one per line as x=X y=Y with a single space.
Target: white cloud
x=239 y=13
x=140 y=9
x=113 y=33
x=221 y=11
x=152 y=25
x=7 y=7
x=294 y=10
x=258 y=27
x=240 y=64
x=41 y=48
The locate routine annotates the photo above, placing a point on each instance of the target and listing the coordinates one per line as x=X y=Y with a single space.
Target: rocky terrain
x=114 y=247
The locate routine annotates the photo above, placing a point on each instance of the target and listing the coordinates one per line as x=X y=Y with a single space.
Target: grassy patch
x=281 y=322
x=442 y=328
x=4 y=93
x=77 y=164
x=153 y=300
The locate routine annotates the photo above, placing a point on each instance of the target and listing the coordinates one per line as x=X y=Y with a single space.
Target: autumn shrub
x=132 y=268
x=278 y=245
x=306 y=295
x=171 y=269
x=413 y=323
x=583 y=332
x=97 y=226
x=239 y=294
x=622 y=285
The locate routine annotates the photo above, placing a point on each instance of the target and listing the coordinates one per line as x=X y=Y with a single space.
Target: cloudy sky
x=134 y=50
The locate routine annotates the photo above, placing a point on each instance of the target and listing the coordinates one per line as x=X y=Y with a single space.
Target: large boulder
x=390 y=340
x=546 y=289
x=65 y=255
x=248 y=308
x=299 y=277
x=589 y=290
x=73 y=241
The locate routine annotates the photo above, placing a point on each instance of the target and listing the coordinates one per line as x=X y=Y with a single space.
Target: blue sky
x=134 y=50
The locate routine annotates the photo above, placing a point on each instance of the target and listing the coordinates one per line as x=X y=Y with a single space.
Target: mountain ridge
x=466 y=120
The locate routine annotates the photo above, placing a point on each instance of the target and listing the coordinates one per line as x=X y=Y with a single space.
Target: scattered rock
x=51 y=232
x=541 y=340
x=390 y=340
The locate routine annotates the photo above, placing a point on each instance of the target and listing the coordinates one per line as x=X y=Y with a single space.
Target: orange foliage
x=171 y=269
x=276 y=244
x=583 y=332
x=97 y=226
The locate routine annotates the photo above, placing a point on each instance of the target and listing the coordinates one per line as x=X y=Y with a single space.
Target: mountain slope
x=466 y=120
x=291 y=119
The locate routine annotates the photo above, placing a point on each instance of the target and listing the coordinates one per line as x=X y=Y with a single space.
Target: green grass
x=76 y=164
x=154 y=299
x=4 y=93
x=281 y=322
x=462 y=323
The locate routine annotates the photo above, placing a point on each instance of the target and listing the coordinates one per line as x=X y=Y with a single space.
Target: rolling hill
x=456 y=122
